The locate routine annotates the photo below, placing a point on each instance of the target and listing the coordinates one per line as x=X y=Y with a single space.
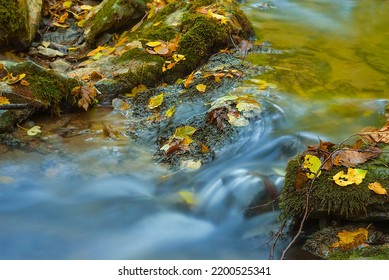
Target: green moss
x=12 y=16
x=45 y=85
x=148 y=71
x=329 y=198
x=163 y=32
x=367 y=253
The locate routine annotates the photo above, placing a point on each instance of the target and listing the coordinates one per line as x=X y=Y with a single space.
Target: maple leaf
x=377 y=188
x=350 y=239
x=87 y=94
x=353 y=176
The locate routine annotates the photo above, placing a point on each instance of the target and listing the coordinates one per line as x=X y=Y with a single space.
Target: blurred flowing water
x=95 y=198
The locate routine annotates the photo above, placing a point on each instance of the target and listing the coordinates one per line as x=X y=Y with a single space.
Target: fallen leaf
x=67 y=4
x=188 y=197
x=10 y=79
x=351 y=239
x=189 y=79
x=109 y=132
x=352 y=158
x=139 y=88
x=353 y=176
x=155 y=101
x=201 y=88
x=184 y=131
x=170 y=112
x=87 y=94
x=33 y=131
x=4 y=100
x=86 y=7
x=377 y=188
x=190 y=165
x=237 y=120
x=313 y=164
x=204 y=148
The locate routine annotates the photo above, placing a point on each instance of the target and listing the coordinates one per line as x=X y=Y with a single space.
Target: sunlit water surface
x=90 y=197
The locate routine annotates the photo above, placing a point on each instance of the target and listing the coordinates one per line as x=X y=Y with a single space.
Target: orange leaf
x=189 y=79
x=351 y=239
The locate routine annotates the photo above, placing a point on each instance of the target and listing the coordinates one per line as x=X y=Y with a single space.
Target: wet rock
x=112 y=15
x=44 y=89
x=60 y=65
x=19 y=21
x=194 y=35
x=376 y=247
x=47 y=52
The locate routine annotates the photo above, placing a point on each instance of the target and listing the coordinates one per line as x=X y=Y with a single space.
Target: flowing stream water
x=95 y=198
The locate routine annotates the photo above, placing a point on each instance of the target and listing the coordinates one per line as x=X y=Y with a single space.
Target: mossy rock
x=352 y=202
x=323 y=243
x=112 y=15
x=45 y=89
x=19 y=20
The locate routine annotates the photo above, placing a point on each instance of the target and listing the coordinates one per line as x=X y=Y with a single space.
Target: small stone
x=60 y=65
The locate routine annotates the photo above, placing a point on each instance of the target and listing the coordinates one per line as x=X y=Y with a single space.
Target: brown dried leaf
x=352 y=158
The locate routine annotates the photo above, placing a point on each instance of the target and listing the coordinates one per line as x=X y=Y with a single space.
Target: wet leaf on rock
x=351 y=239
x=352 y=158
x=201 y=88
x=353 y=176
x=33 y=131
x=87 y=95
x=313 y=164
x=4 y=100
x=155 y=101
x=377 y=188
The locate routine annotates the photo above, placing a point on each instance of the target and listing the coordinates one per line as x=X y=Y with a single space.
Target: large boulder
x=112 y=15
x=19 y=20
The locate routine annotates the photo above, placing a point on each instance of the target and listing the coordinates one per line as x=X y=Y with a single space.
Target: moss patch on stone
x=368 y=253
x=12 y=16
x=327 y=198
x=44 y=84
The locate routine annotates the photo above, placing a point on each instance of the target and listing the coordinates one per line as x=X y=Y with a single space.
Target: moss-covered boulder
x=189 y=33
x=19 y=20
x=326 y=198
x=112 y=15
x=38 y=88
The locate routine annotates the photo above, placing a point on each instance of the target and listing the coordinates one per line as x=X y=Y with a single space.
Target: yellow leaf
x=62 y=25
x=313 y=164
x=95 y=51
x=67 y=4
x=169 y=113
x=351 y=239
x=178 y=57
x=155 y=101
x=237 y=120
x=138 y=89
x=34 y=130
x=201 y=87
x=377 y=188
x=4 y=100
x=81 y=23
x=188 y=197
x=153 y=44
x=353 y=176
x=184 y=131
x=13 y=80
x=97 y=56
x=190 y=165
x=86 y=7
